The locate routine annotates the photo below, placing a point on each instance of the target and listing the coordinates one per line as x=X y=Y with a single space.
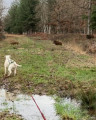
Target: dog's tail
x=18 y=65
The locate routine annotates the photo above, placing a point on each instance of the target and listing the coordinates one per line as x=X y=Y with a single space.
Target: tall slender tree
x=11 y=20
x=1 y=10
x=28 y=15
x=89 y=17
x=93 y=18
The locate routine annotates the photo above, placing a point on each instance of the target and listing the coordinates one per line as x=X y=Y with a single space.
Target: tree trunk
x=49 y=29
x=1 y=26
x=45 y=29
x=89 y=18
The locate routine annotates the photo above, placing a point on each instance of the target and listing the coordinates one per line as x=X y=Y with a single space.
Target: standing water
x=25 y=106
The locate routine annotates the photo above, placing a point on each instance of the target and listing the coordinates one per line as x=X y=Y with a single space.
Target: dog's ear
x=7 y=56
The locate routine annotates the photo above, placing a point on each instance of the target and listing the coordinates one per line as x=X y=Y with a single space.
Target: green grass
x=76 y=74
x=69 y=111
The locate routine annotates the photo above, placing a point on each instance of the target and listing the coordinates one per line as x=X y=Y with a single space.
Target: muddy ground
x=8 y=116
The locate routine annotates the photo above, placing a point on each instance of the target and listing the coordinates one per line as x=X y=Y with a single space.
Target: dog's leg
x=9 y=70
x=5 y=70
x=14 y=71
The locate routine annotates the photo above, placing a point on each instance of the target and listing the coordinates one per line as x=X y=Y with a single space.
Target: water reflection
x=25 y=106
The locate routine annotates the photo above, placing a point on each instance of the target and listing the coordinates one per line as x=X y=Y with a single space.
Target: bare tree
x=43 y=15
x=1 y=10
x=86 y=5
x=66 y=17
x=89 y=16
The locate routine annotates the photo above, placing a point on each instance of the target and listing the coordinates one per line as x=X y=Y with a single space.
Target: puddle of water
x=72 y=102
x=25 y=106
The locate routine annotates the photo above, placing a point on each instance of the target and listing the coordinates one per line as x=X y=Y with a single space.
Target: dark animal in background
x=14 y=43
x=89 y=36
x=57 y=42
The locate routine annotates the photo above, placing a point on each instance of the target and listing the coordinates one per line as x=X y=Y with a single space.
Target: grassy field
x=47 y=68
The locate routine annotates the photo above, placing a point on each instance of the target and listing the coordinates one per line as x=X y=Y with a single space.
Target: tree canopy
x=51 y=16
x=22 y=17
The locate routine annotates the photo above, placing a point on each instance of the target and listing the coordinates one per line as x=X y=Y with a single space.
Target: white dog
x=11 y=65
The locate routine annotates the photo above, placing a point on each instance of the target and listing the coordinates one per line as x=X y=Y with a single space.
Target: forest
x=51 y=16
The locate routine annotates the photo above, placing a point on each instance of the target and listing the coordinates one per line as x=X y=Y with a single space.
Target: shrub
x=88 y=98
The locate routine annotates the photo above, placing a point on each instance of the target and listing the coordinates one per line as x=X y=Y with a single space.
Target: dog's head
x=7 y=56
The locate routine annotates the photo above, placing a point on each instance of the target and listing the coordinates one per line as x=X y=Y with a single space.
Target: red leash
x=39 y=108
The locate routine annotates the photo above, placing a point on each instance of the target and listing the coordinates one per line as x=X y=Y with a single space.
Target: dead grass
x=75 y=47
x=13 y=35
x=40 y=36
